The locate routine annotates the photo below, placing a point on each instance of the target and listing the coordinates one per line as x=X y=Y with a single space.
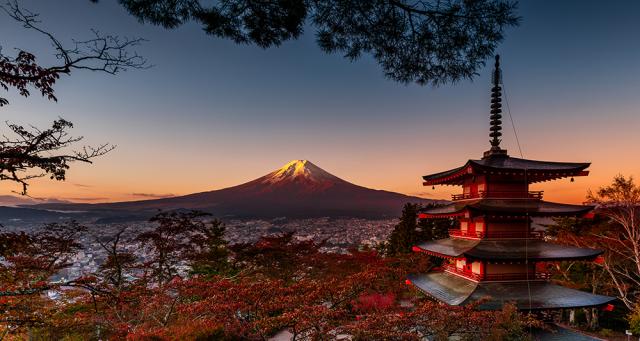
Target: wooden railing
x=468 y=234
x=515 y=276
x=497 y=234
x=498 y=194
x=453 y=269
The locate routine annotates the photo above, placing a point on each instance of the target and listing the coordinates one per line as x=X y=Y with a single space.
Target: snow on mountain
x=300 y=169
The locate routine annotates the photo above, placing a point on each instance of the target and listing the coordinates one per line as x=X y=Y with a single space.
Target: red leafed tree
x=324 y=296
x=375 y=301
x=437 y=322
x=252 y=308
x=136 y=290
x=315 y=296
x=28 y=262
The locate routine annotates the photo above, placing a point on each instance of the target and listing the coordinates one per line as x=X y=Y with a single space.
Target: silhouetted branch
x=32 y=148
x=427 y=42
x=104 y=53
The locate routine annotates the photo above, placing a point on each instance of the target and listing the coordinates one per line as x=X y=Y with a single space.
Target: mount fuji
x=299 y=189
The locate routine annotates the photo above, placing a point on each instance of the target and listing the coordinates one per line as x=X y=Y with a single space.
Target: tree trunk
x=587 y=315
x=595 y=321
x=592 y=317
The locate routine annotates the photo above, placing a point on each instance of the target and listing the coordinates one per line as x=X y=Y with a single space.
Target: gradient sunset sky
x=211 y=114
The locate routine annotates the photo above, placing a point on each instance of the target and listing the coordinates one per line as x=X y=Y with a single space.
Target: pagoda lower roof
x=536 y=171
x=532 y=207
x=526 y=295
x=505 y=250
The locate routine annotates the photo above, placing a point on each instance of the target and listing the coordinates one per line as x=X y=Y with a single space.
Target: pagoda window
x=468 y=268
x=472 y=186
x=464 y=225
x=477 y=268
x=482 y=187
x=460 y=264
x=472 y=227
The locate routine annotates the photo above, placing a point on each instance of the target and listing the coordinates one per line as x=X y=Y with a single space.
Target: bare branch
x=103 y=53
x=35 y=149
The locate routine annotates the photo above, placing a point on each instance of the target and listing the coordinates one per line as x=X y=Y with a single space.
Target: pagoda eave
x=432 y=253
x=446 y=248
x=504 y=251
x=440 y=216
x=504 y=208
x=531 y=171
x=532 y=295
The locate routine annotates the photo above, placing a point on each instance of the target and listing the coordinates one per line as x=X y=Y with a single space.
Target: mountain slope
x=12 y=201
x=298 y=189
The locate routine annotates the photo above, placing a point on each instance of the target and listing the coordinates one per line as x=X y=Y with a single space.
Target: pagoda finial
x=496 y=110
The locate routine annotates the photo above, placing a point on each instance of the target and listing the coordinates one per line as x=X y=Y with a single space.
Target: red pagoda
x=492 y=255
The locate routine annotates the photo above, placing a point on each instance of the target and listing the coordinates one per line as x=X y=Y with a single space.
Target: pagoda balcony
x=464 y=273
x=498 y=194
x=496 y=234
x=538 y=276
x=502 y=277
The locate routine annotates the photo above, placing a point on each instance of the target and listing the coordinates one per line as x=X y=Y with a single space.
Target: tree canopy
x=426 y=42
x=410 y=231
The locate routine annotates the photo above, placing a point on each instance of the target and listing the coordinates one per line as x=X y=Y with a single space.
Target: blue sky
x=211 y=114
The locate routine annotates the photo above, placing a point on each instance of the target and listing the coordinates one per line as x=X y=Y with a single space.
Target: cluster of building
x=338 y=234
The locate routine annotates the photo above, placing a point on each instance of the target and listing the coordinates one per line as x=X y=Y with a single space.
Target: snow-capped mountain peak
x=300 y=169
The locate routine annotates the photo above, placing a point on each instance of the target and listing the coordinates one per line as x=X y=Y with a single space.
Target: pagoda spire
x=496 y=110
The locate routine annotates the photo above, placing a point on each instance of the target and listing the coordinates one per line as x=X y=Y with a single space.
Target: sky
x=211 y=114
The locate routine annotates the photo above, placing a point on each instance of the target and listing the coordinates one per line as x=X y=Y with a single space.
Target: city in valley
x=338 y=235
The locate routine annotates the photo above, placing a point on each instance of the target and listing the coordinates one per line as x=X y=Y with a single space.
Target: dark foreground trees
x=427 y=42
x=410 y=231
x=249 y=291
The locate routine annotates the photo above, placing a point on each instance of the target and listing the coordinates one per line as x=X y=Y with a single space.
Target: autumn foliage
x=242 y=291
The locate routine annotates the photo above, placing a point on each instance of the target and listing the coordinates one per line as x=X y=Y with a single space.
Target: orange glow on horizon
x=88 y=185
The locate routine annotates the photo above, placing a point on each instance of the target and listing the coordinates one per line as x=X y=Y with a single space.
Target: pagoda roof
x=536 y=170
x=532 y=207
x=447 y=248
x=526 y=295
x=505 y=250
